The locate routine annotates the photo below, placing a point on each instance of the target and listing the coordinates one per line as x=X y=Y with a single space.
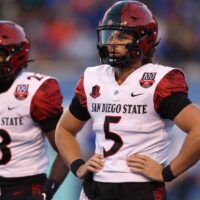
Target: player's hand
x=94 y=164
x=144 y=165
x=41 y=196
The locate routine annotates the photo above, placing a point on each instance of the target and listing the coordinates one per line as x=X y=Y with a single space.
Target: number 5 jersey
x=127 y=118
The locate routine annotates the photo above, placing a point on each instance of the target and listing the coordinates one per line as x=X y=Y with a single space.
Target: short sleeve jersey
x=29 y=109
x=125 y=117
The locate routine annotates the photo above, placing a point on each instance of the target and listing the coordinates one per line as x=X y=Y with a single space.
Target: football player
x=133 y=104
x=30 y=107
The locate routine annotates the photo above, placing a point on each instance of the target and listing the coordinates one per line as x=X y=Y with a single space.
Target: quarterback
x=133 y=104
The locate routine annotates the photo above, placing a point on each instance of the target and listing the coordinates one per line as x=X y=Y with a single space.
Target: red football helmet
x=14 y=50
x=133 y=18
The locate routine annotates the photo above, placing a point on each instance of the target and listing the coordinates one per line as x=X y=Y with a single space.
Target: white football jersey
x=125 y=120
x=22 y=151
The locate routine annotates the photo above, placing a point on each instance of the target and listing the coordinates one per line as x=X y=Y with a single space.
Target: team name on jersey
x=11 y=121
x=119 y=108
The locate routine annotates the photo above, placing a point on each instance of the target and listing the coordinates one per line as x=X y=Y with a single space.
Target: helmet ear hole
x=16 y=49
x=134 y=50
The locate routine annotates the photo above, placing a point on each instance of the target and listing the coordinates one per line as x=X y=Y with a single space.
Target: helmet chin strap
x=123 y=62
x=6 y=75
x=120 y=62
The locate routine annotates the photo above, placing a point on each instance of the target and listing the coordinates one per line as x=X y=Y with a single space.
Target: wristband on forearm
x=49 y=188
x=167 y=174
x=75 y=165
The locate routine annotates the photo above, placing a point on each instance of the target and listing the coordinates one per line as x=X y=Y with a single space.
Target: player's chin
x=115 y=54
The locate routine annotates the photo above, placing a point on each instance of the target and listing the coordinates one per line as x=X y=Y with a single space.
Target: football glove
x=41 y=196
x=48 y=190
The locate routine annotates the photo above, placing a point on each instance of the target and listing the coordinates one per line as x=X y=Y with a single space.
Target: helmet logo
x=21 y=91
x=147 y=79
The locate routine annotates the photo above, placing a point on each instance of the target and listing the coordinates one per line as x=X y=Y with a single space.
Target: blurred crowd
x=64 y=31
x=63 y=37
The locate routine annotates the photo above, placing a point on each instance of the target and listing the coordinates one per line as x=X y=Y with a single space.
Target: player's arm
x=66 y=141
x=46 y=109
x=70 y=123
x=171 y=102
x=69 y=147
x=187 y=120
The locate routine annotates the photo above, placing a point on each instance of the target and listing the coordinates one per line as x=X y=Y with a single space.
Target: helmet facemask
x=8 y=64
x=108 y=48
x=5 y=67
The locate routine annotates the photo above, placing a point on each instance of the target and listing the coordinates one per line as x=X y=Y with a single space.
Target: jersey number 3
x=5 y=151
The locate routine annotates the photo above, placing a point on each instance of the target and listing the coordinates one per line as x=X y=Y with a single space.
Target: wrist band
x=167 y=174
x=75 y=165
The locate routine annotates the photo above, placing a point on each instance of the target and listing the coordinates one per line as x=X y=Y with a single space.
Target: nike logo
x=134 y=95
x=11 y=108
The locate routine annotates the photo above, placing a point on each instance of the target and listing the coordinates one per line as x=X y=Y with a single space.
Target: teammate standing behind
x=133 y=104
x=30 y=107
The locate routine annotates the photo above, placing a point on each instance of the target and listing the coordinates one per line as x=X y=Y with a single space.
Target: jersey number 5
x=112 y=136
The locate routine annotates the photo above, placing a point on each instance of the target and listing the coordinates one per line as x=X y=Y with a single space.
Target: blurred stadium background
x=63 y=35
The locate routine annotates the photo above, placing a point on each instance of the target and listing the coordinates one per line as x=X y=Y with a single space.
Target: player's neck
x=122 y=73
x=5 y=86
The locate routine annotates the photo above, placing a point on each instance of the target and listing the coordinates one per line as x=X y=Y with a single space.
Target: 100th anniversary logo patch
x=21 y=91
x=148 y=79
